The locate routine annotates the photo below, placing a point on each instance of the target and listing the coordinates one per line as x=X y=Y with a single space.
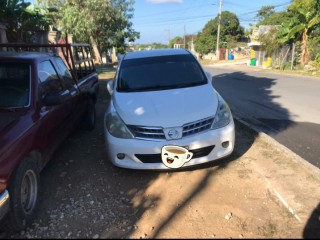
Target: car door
x=76 y=103
x=54 y=119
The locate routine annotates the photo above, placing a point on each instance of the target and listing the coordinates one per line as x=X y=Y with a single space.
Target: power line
x=173 y=20
x=168 y=12
x=191 y=19
x=275 y=6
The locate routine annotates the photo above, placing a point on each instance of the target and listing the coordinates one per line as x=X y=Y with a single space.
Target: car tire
x=24 y=196
x=89 y=118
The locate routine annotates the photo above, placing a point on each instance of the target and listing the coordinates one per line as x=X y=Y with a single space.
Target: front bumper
x=4 y=204
x=135 y=147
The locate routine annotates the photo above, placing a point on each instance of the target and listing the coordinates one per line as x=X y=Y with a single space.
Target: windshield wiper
x=156 y=87
x=189 y=84
x=161 y=87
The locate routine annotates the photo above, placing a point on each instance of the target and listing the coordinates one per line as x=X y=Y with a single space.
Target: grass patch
x=244 y=173
x=207 y=61
x=212 y=61
x=312 y=179
x=267 y=153
x=268 y=230
x=294 y=72
x=107 y=74
x=242 y=224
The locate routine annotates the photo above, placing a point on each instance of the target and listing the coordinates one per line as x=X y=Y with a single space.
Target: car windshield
x=14 y=85
x=159 y=73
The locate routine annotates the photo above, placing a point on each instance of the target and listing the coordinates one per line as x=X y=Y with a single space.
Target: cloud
x=164 y=1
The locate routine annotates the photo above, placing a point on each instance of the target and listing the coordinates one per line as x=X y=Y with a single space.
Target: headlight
x=117 y=127
x=223 y=115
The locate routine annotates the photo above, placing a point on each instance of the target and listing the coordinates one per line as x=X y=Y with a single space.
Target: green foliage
x=23 y=19
x=150 y=46
x=230 y=32
x=314 y=47
x=276 y=18
x=265 y=12
x=269 y=41
x=230 y=27
x=305 y=19
x=267 y=16
x=174 y=40
x=204 y=43
x=106 y=23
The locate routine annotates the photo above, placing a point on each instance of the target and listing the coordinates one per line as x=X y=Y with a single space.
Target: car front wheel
x=23 y=193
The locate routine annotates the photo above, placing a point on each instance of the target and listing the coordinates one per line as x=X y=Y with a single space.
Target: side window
x=49 y=81
x=65 y=73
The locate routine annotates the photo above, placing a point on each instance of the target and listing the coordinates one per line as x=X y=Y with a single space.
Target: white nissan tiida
x=165 y=114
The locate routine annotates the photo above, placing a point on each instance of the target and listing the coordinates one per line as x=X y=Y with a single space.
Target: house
x=186 y=42
x=257 y=50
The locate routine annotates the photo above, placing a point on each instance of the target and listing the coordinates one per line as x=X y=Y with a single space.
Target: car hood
x=166 y=108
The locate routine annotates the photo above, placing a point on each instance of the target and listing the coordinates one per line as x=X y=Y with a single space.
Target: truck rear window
x=14 y=85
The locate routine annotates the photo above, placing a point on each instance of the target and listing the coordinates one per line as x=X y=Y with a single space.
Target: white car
x=165 y=114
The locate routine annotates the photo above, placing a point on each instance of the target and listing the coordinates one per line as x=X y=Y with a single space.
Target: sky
x=161 y=20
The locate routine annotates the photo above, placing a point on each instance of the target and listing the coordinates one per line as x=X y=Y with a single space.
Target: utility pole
x=168 y=30
x=184 y=36
x=218 y=34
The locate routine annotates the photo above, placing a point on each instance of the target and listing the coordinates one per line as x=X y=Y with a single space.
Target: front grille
x=156 y=158
x=196 y=127
x=157 y=133
x=147 y=132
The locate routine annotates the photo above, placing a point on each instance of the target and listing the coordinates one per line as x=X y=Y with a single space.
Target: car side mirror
x=209 y=76
x=56 y=99
x=110 y=87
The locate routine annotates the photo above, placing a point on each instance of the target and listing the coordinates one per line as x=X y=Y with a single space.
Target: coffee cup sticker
x=175 y=156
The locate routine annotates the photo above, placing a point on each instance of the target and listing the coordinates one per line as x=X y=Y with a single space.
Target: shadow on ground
x=312 y=228
x=83 y=195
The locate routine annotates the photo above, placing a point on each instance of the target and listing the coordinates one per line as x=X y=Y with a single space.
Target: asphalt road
x=286 y=107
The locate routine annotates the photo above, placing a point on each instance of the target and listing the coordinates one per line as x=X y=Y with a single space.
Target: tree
x=204 y=43
x=267 y=16
x=22 y=19
x=103 y=23
x=304 y=21
x=265 y=12
x=269 y=40
x=230 y=32
x=174 y=40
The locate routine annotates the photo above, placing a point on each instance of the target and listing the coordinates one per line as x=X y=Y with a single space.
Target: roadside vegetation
x=103 y=24
x=298 y=27
x=107 y=24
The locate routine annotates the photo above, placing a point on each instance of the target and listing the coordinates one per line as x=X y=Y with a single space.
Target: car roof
x=25 y=55
x=156 y=53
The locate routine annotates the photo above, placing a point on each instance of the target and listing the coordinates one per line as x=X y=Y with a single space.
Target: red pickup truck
x=43 y=97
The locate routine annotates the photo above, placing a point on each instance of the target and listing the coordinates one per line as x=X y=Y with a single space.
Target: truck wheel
x=23 y=194
x=89 y=118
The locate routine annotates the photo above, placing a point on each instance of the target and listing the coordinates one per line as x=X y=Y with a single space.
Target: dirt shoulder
x=260 y=191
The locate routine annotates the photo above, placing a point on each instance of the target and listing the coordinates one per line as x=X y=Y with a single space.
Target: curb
x=263 y=136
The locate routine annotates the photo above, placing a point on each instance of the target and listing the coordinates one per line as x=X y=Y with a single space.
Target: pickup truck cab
x=41 y=102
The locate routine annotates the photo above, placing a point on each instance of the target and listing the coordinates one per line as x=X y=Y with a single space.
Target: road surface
x=286 y=107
